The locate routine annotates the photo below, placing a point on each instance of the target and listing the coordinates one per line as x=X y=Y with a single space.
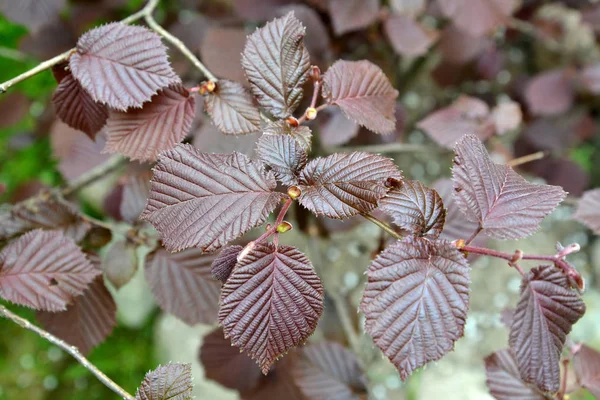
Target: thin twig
x=72 y=350
x=95 y=174
x=383 y=226
x=474 y=235
x=526 y=159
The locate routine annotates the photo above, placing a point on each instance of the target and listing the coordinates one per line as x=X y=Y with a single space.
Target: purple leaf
x=466 y=116
x=409 y=37
x=276 y=64
x=284 y=155
x=416 y=301
x=551 y=92
x=477 y=17
x=329 y=371
x=119 y=264
x=317 y=39
x=87 y=321
x=546 y=311
x=34 y=14
x=416 y=208
x=183 y=286
x=271 y=302
x=225 y=364
x=135 y=195
x=586 y=362
x=141 y=134
x=588 y=210
x=222 y=266
x=231 y=109
x=503 y=379
x=352 y=15
x=167 y=382
x=363 y=92
x=44 y=270
x=301 y=133
x=121 y=65
x=342 y=185
x=75 y=107
x=504 y=204
x=207 y=200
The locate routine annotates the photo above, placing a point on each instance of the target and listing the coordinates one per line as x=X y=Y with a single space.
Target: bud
x=311 y=113
x=293 y=122
x=460 y=243
x=315 y=73
x=207 y=87
x=294 y=192
x=284 y=227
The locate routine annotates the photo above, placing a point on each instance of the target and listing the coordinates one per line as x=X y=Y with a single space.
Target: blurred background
x=524 y=75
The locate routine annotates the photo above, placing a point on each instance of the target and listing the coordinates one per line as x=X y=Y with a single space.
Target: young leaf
x=409 y=37
x=352 y=15
x=588 y=210
x=75 y=107
x=225 y=364
x=329 y=371
x=223 y=265
x=119 y=264
x=284 y=155
x=467 y=115
x=183 y=286
x=342 y=185
x=416 y=208
x=547 y=310
x=44 y=270
x=276 y=64
x=231 y=109
x=416 y=301
x=141 y=134
x=301 y=133
x=135 y=195
x=363 y=92
x=122 y=65
x=206 y=200
x=504 y=204
x=586 y=362
x=271 y=302
x=504 y=381
x=167 y=382
x=86 y=322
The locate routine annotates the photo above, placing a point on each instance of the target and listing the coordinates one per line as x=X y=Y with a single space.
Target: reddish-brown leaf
x=416 y=301
x=44 y=270
x=363 y=92
x=34 y=14
x=75 y=107
x=135 y=195
x=549 y=93
x=225 y=364
x=409 y=37
x=121 y=65
x=271 y=302
x=504 y=381
x=329 y=371
x=342 y=185
x=588 y=210
x=466 y=116
x=119 y=264
x=167 y=382
x=284 y=155
x=415 y=208
x=183 y=286
x=586 y=362
x=207 y=200
x=494 y=196
x=222 y=266
x=477 y=17
x=276 y=64
x=221 y=52
x=301 y=133
x=544 y=316
x=87 y=321
x=141 y=134
x=352 y=15
x=317 y=39
x=231 y=109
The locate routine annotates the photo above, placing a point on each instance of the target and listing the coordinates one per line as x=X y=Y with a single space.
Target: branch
x=72 y=350
x=94 y=174
x=383 y=226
